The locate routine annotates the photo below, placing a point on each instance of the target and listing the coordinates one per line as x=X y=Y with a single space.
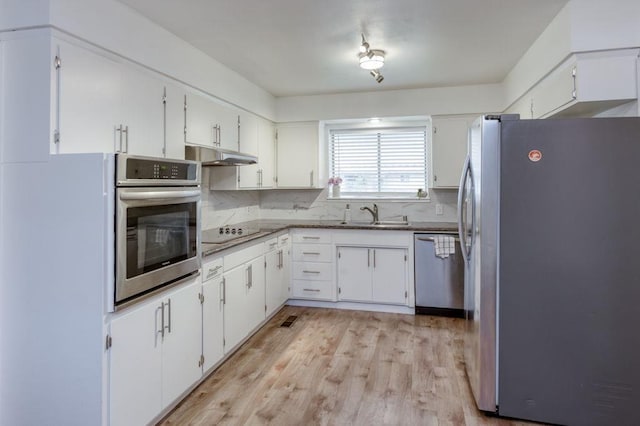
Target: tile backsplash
x=230 y=207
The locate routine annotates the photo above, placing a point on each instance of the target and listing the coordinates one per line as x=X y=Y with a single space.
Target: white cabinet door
x=174 y=127
x=266 y=155
x=136 y=366
x=236 y=325
x=200 y=128
x=88 y=100
x=142 y=114
x=450 y=137
x=297 y=155
x=354 y=274
x=212 y=322
x=272 y=281
x=227 y=121
x=248 y=133
x=285 y=273
x=255 y=299
x=389 y=279
x=182 y=344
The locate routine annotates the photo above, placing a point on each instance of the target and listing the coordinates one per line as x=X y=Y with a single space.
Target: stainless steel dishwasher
x=439 y=281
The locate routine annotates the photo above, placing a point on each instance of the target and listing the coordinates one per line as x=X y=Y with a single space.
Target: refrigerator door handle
x=466 y=171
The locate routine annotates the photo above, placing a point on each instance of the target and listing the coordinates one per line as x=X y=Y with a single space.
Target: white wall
x=549 y=50
x=123 y=31
x=392 y=103
x=599 y=25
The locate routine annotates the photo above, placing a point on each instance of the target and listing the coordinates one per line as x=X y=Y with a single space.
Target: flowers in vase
x=335 y=180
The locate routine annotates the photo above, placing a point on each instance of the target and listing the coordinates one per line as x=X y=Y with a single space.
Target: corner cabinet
x=297 y=155
x=155 y=354
x=449 y=149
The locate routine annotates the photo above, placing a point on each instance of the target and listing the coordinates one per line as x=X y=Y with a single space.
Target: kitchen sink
x=379 y=224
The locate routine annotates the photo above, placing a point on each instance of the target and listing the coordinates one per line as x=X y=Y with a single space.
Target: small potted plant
x=335 y=186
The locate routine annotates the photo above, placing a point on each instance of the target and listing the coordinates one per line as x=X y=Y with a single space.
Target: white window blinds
x=383 y=161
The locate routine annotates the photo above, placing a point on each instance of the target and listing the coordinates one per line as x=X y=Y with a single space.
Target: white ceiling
x=303 y=47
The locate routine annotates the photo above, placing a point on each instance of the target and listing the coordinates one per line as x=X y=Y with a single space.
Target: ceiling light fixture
x=376 y=74
x=371 y=59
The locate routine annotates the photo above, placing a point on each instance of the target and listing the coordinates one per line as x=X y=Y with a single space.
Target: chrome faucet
x=373 y=212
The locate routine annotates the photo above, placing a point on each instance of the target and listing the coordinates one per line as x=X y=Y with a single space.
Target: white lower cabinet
x=244 y=294
x=182 y=344
x=276 y=275
x=312 y=265
x=154 y=355
x=373 y=274
x=212 y=314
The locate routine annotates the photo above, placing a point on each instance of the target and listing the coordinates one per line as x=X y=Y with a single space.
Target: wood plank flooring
x=338 y=367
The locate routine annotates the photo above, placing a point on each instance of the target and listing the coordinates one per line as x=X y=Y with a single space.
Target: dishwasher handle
x=431 y=239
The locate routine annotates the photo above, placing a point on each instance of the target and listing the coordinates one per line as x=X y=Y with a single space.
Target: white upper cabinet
x=582 y=86
x=105 y=106
x=449 y=149
x=87 y=100
x=266 y=153
x=257 y=137
x=209 y=123
x=297 y=155
x=142 y=114
x=174 y=130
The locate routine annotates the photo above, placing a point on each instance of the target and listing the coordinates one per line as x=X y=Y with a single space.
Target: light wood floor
x=338 y=367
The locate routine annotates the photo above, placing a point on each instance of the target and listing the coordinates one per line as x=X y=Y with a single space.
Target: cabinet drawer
x=312 y=237
x=313 y=271
x=302 y=289
x=284 y=240
x=271 y=244
x=312 y=253
x=241 y=256
x=212 y=269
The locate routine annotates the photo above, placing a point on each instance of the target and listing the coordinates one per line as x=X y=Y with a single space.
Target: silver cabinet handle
x=311 y=252
x=368 y=258
x=374 y=258
x=119 y=130
x=169 y=310
x=311 y=289
x=126 y=139
x=310 y=238
x=311 y=179
x=224 y=291
x=280 y=260
x=161 y=309
x=310 y=272
x=219 y=135
x=433 y=239
x=250 y=276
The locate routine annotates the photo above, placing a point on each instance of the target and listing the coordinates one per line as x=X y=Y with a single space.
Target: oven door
x=157 y=238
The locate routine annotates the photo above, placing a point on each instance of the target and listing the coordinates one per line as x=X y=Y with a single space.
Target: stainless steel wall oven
x=157 y=224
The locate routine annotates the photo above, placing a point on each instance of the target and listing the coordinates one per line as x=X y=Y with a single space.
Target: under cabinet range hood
x=215 y=157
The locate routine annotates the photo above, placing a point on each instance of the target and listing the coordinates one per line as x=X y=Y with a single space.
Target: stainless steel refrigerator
x=548 y=218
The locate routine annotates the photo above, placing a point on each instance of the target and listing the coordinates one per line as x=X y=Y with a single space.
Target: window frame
x=385 y=124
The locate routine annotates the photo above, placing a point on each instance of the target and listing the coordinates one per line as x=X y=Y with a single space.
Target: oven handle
x=159 y=195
